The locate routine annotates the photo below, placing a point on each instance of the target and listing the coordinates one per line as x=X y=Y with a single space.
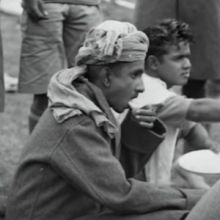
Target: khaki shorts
x=50 y=45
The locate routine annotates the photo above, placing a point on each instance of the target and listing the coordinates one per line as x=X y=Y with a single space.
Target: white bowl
x=201 y=162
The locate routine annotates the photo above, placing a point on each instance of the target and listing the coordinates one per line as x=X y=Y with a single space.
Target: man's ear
x=152 y=62
x=105 y=76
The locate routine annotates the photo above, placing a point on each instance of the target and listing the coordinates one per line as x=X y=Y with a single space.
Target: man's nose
x=187 y=63
x=140 y=85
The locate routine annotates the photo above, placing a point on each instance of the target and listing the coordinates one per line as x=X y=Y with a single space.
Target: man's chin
x=184 y=82
x=121 y=109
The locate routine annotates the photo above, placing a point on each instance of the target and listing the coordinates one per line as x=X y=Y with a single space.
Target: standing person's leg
x=80 y=20
x=147 y=12
x=208 y=208
x=42 y=55
x=39 y=104
x=194 y=89
x=203 y=18
x=2 y=91
x=212 y=90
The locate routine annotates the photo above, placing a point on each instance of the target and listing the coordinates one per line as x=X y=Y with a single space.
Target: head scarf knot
x=113 y=41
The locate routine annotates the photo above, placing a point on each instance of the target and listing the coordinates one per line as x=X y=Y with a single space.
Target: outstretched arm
x=204 y=110
x=199 y=138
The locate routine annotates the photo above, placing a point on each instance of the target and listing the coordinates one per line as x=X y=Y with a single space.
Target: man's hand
x=212 y=145
x=145 y=117
x=35 y=9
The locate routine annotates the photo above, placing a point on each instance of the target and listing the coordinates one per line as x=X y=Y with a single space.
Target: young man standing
x=70 y=167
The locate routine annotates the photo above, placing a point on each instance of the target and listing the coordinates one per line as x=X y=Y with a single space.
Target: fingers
x=36 y=10
x=157 y=108
x=146 y=125
x=145 y=118
x=41 y=9
x=149 y=119
x=144 y=112
x=215 y=148
x=154 y=107
x=212 y=145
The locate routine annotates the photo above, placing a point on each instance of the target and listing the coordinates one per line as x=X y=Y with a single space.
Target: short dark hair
x=165 y=33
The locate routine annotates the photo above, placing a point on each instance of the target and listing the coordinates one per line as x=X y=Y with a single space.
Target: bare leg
x=38 y=107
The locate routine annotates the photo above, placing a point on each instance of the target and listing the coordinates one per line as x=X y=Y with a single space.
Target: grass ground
x=14 y=128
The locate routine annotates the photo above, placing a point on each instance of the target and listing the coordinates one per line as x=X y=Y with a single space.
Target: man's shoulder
x=77 y=124
x=48 y=119
x=49 y=135
x=49 y=132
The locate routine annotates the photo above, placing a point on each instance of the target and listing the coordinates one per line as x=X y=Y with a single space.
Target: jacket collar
x=70 y=94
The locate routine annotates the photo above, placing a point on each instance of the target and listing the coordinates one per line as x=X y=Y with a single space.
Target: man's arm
x=204 y=110
x=173 y=112
x=199 y=138
x=91 y=167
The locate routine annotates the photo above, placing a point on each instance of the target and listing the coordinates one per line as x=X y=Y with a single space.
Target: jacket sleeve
x=85 y=160
x=135 y=152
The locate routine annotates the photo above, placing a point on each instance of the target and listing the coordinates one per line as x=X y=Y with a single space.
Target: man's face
x=126 y=83
x=174 y=69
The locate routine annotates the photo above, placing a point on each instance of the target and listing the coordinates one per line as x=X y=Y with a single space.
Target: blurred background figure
x=52 y=33
x=5 y=175
x=2 y=90
x=204 y=19
x=11 y=83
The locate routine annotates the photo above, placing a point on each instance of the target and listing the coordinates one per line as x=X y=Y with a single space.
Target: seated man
x=167 y=64
x=70 y=167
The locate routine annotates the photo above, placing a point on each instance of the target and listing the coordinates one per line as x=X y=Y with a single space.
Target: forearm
x=204 y=110
x=197 y=137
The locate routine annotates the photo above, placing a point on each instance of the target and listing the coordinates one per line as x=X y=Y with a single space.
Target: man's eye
x=178 y=58
x=181 y=58
x=134 y=75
